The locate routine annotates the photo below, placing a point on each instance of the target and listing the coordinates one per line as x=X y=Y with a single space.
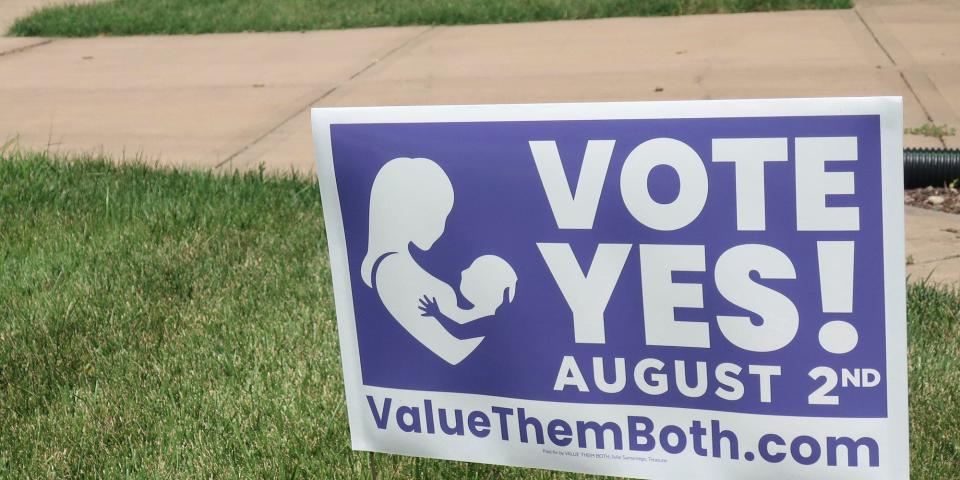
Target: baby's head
x=483 y=282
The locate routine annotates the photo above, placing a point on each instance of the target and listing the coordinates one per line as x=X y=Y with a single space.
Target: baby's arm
x=430 y=308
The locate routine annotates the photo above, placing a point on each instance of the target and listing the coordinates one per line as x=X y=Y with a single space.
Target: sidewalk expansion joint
x=937 y=260
x=874 y=36
x=14 y=51
x=325 y=94
x=898 y=66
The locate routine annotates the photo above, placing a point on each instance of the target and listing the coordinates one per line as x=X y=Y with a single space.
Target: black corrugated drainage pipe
x=934 y=167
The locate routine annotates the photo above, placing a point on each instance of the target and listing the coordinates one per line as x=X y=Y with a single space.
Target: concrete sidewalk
x=933 y=246
x=237 y=101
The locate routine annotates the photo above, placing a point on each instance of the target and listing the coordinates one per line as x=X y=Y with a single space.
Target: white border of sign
x=890 y=110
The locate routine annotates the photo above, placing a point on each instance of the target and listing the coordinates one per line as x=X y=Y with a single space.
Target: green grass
x=169 y=324
x=932 y=130
x=147 y=17
x=933 y=322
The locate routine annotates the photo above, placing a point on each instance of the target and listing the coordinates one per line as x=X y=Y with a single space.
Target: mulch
x=944 y=199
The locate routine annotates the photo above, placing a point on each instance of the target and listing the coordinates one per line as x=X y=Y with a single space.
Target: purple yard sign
x=666 y=290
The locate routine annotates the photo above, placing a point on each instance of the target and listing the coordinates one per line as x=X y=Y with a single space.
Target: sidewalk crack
x=937 y=260
x=875 y=39
x=14 y=51
x=325 y=94
x=903 y=77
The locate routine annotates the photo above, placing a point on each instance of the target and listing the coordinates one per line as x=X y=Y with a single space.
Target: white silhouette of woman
x=409 y=203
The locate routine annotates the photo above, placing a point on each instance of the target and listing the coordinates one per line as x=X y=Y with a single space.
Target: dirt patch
x=941 y=199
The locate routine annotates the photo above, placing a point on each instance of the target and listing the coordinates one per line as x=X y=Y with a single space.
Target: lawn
x=147 y=17
x=169 y=324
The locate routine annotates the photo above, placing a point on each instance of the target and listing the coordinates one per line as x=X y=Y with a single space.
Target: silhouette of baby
x=488 y=283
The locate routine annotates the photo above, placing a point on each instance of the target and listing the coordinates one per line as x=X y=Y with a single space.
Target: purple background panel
x=500 y=208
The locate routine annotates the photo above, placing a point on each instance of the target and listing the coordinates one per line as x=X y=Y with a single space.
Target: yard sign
x=665 y=290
